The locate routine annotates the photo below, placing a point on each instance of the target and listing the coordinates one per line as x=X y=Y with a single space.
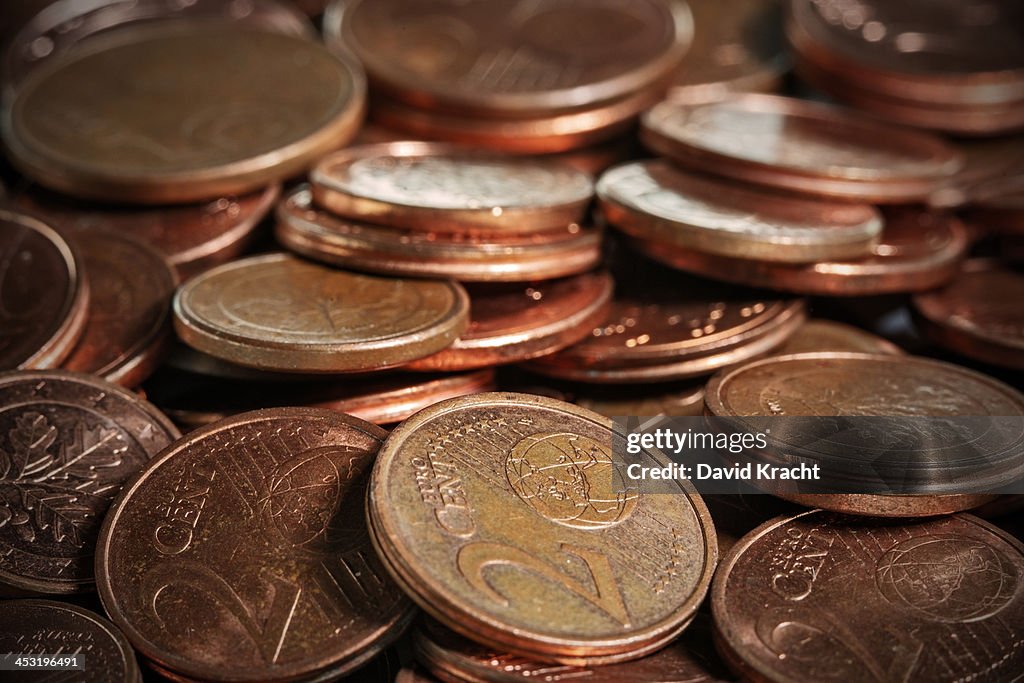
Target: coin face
x=822 y=596
x=499 y=515
x=43 y=294
x=502 y=56
x=67 y=444
x=448 y=189
x=828 y=335
x=46 y=627
x=652 y=200
x=235 y=109
x=276 y=312
x=130 y=290
x=242 y=551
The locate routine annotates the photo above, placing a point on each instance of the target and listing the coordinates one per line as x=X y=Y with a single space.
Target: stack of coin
x=528 y=78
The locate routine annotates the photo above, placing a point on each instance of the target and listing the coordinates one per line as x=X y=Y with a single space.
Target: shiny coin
x=276 y=312
x=235 y=110
x=67 y=444
x=821 y=596
x=43 y=294
x=447 y=189
x=827 y=335
x=241 y=552
x=32 y=627
x=129 y=313
x=801 y=146
x=509 y=324
x=515 y=257
x=652 y=200
x=498 y=514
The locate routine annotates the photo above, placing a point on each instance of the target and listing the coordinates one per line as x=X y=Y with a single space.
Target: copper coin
x=818 y=596
x=738 y=45
x=509 y=530
x=502 y=57
x=414 y=675
x=827 y=335
x=236 y=110
x=67 y=444
x=684 y=399
x=801 y=146
x=276 y=312
x=45 y=627
x=469 y=257
x=989 y=166
x=651 y=200
x=43 y=294
x=979 y=313
x=917 y=251
x=192 y=238
x=508 y=324
x=129 y=313
x=449 y=189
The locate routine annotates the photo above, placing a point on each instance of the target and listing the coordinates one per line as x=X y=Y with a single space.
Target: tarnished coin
x=502 y=57
x=192 y=238
x=508 y=324
x=181 y=111
x=828 y=335
x=516 y=257
x=43 y=294
x=818 y=596
x=801 y=146
x=67 y=444
x=917 y=251
x=44 y=627
x=276 y=312
x=129 y=312
x=979 y=313
x=652 y=200
x=450 y=189
x=241 y=553
x=499 y=515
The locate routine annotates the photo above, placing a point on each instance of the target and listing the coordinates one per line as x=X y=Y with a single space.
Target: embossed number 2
x=473 y=558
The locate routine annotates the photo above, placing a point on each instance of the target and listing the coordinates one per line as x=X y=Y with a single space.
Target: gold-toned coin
x=500 y=515
x=178 y=112
x=276 y=312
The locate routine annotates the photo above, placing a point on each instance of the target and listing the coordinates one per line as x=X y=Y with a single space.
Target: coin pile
x=217 y=284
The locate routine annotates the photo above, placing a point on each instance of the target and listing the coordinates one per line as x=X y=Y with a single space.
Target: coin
x=917 y=251
x=372 y=248
x=651 y=200
x=978 y=313
x=828 y=335
x=129 y=313
x=442 y=188
x=38 y=627
x=67 y=444
x=236 y=109
x=241 y=552
x=192 y=238
x=801 y=146
x=818 y=595
x=43 y=294
x=276 y=312
x=509 y=324
x=499 y=515
x=683 y=399
x=501 y=57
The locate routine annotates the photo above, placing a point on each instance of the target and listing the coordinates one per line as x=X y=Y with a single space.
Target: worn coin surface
x=67 y=444
x=652 y=200
x=179 y=112
x=45 y=627
x=277 y=312
x=501 y=515
x=819 y=596
x=241 y=552
x=801 y=146
x=129 y=312
x=43 y=294
x=443 y=188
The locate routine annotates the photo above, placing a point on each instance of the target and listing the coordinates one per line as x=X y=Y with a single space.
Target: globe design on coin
x=569 y=479
x=948 y=578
